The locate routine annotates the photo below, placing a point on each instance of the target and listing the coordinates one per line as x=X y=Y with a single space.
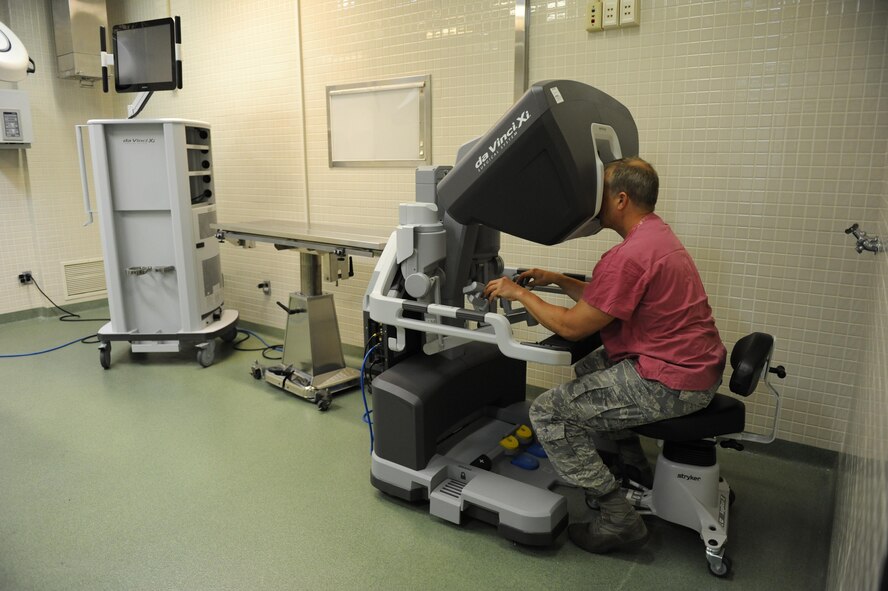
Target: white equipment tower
x=154 y=192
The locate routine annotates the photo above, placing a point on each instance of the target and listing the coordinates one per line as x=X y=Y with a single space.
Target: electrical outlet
x=25 y=278
x=630 y=13
x=611 y=14
x=593 y=16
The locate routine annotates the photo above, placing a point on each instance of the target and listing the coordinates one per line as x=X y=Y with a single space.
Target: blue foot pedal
x=537 y=450
x=526 y=462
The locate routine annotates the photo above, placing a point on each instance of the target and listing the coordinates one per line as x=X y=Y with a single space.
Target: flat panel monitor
x=145 y=56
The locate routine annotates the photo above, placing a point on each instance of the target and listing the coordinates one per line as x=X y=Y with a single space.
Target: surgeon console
x=449 y=409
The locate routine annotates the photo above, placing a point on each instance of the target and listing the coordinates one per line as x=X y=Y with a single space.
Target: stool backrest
x=750 y=358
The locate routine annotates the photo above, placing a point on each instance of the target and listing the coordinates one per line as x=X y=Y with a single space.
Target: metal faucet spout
x=864 y=242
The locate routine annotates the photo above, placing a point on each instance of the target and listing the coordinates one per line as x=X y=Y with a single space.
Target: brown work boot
x=617 y=527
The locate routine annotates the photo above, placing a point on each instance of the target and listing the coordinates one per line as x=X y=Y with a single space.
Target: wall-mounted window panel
x=381 y=123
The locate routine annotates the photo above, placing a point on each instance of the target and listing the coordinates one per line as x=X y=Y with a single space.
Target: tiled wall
x=861 y=515
x=742 y=107
x=41 y=208
x=767 y=120
x=241 y=72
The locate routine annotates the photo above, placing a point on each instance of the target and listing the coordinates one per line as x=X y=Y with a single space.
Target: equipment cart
x=156 y=199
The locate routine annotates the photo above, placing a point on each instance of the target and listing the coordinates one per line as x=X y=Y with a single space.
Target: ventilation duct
x=76 y=24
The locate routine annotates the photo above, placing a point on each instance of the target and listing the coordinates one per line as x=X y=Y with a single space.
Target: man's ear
x=623 y=200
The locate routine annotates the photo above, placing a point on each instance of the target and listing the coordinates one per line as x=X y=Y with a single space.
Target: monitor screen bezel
x=172 y=82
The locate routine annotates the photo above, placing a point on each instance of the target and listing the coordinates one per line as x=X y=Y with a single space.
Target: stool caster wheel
x=323 y=401
x=721 y=568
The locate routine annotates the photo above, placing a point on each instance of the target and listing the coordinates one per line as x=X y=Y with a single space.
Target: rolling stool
x=687 y=487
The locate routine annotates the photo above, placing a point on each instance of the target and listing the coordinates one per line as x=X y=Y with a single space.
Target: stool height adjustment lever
x=731 y=443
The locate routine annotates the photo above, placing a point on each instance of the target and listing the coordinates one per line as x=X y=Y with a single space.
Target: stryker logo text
x=502 y=141
x=688 y=477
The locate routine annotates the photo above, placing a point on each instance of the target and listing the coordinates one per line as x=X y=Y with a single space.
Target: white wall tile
x=767 y=121
x=40 y=198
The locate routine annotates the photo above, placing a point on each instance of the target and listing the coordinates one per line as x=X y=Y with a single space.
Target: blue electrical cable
x=10 y=355
x=13 y=355
x=367 y=411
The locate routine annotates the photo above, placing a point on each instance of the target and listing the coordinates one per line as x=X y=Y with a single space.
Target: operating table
x=312 y=365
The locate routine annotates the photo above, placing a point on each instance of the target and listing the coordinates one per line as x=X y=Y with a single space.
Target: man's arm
x=539 y=277
x=573 y=324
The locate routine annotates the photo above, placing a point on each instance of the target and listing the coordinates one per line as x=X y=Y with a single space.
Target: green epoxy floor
x=159 y=474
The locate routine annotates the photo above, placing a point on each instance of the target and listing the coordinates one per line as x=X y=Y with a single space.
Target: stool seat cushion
x=723 y=416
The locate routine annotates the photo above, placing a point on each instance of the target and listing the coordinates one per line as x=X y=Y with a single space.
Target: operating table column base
x=318 y=388
x=313 y=365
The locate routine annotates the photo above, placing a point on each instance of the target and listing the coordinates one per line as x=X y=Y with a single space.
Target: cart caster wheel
x=105 y=355
x=229 y=335
x=721 y=569
x=256 y=371
x=206 y=353
x=323 y=402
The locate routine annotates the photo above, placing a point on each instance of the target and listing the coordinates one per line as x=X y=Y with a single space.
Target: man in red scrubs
x=662 y=355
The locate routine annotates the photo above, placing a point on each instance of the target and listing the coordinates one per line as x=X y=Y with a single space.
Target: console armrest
x=578 y=349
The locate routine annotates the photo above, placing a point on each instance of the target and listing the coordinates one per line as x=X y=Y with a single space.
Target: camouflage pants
x=604 y=400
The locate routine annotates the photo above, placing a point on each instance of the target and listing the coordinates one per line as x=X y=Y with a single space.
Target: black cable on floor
x=68 y=316
x=265 y=350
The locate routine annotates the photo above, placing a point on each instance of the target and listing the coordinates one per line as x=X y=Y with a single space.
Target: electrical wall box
x=16 y=131
x=630 y=11
x=610 y=14
x=593 y=16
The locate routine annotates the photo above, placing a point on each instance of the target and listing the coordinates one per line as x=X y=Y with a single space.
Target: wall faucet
x=864 y=242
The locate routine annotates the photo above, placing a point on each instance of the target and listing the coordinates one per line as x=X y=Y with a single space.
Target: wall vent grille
x=84 y=279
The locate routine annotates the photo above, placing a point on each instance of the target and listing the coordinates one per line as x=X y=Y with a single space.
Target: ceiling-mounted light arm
x=14 y=61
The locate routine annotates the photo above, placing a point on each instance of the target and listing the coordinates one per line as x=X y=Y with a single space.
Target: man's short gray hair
x=635 y=177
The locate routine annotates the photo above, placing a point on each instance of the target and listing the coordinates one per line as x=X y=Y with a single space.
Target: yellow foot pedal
x=524 y=434
x=510 y=444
